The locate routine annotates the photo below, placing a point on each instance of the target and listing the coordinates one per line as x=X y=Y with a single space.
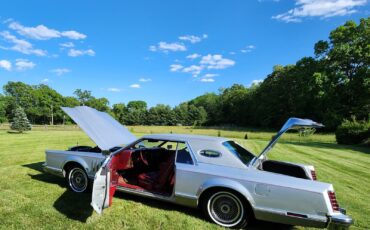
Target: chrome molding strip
x=145 y=193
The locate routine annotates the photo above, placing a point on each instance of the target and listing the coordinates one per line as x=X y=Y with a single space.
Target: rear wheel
x=77 y=179
x=226 y=209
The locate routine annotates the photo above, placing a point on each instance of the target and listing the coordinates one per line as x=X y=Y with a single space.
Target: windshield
x=244 y=155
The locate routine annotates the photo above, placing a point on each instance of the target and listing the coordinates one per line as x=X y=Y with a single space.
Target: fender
x=226 y=183
x=78 y=160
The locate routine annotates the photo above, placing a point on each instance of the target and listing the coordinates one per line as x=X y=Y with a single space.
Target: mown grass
x=32 y=199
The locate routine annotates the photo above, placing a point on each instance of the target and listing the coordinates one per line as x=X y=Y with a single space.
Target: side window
x=147 y=143
x=210 y=153
x=183 y=154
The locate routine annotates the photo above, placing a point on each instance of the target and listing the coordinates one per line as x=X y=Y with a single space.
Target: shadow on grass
x=75 y=206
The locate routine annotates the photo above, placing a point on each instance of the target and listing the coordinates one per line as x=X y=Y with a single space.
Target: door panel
x=101 y=190
x=105 y=183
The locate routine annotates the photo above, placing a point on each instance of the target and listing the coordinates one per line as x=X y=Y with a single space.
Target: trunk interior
x=284 y=168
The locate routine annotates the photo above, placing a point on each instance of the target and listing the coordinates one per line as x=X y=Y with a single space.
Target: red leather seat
x=156 y=180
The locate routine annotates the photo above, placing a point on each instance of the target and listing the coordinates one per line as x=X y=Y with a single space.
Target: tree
x=101 y=104
x=120 y=112
x=211 y=103
x=346 y=57
x=137 y=111
x=20 y=121
x=161 y=115
x=197 y=115
x=83 y=96
x=2 y=109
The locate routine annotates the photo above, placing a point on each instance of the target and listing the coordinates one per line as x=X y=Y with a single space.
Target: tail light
x=333 y=201
x=313 y=174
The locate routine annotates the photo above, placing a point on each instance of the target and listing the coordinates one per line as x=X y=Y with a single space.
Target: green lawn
x=30 y=198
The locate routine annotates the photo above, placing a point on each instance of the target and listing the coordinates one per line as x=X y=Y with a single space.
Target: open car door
x=104 y=187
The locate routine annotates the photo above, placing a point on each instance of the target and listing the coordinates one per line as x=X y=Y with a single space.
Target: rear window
x=244 y=155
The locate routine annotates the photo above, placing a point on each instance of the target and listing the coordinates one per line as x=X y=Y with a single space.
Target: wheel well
x=69 y=165
x=205 y=194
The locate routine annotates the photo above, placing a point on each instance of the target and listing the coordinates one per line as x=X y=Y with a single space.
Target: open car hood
x=103 y=129
x=291 y=123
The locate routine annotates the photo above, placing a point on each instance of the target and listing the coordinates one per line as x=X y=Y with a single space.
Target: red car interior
x=149 y=169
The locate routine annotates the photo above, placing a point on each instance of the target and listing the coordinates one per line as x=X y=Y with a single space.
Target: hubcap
x=78 y=180
x=225 y=209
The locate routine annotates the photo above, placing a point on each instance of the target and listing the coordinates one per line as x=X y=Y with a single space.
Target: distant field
x=31 y=199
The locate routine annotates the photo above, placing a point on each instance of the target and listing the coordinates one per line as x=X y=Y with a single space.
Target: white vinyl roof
x=103 y=129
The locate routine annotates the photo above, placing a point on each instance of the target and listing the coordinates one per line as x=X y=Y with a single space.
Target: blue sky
x=160 y=51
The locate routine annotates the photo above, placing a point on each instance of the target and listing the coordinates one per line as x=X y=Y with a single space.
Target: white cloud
x=193 y=69
x=135 y=86
x=71 y=34
x=193 y=56
x=6 y=21
x=256 y=82
x=5 y=64
x=216 y=61
x=67 y=44
x=60 y=71
x=145 y=79
x=248 y=49
x=192 y=38
x=210 y=75
x=24 y=64
x=208 y=80
x=45 y=81
x=166 y=47
x=175 y=67
x=115 y=90
x=153 y=48
x=20 y=45
x=42 y=32
x=319 y=8
x=76 y=53
x=232 y=53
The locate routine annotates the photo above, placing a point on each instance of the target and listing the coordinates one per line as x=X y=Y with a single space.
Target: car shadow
x=75 y=206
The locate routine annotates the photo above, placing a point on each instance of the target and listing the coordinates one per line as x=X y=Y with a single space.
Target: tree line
x=329 y=87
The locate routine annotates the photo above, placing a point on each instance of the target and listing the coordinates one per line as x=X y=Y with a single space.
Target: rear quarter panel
x=89 y=161
x=266 y=192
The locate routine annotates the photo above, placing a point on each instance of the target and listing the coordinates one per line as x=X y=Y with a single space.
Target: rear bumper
x=340 y=221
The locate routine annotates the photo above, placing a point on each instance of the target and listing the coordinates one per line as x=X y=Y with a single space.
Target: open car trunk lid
x=291 y=123
x=103 y=129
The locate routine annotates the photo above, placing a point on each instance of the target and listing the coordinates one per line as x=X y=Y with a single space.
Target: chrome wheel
x=225 y=209
x=77 y=180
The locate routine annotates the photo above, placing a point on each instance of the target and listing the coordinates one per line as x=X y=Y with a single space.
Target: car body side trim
x=281 y=216
x=52 y=170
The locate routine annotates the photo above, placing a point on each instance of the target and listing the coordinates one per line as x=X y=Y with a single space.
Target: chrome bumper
x=340 y=221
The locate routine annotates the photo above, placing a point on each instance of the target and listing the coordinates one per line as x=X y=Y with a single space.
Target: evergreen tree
x=20 y=121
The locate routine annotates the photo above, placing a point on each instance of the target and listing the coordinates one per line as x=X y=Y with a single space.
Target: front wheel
x=225 y=209
x=77 y=179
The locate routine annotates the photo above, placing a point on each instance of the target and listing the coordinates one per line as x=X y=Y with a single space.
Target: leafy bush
x=353 y=132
